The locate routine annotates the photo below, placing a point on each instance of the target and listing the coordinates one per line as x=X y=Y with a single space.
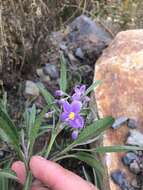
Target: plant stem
x=52 y=140
x=28 y=182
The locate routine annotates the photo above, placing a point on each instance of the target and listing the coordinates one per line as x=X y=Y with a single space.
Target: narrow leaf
x=50 y=100
x=119 y=148
x=8 y=127
x=36 y=127
x=90 y=160
x=32 y=118
x=92 y=87
x=47 y=95
x=8 y=174
x=63 y=75
x=28 y=183
x=89 y=132
x=94 y=129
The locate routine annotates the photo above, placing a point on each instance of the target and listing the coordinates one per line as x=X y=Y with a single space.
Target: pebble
x=129 y=158
x=79 y=53
x=118 y=177
x=119 y=121
x=51 y=70
x=2 y=154
x=134 y=183
x=63 y=46
x=135 y=138
x=31 y=89
x=43 y=77
x=132 y=124
x=134 y=167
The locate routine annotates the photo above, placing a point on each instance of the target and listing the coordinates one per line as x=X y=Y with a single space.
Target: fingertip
x=19 y=168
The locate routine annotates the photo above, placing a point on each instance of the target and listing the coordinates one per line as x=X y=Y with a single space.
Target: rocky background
x=33 y=33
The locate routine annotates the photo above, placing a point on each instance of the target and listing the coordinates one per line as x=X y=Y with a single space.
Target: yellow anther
x=72 y=115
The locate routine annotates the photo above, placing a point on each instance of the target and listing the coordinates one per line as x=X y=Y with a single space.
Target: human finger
x=56 y=177
x=19 y=168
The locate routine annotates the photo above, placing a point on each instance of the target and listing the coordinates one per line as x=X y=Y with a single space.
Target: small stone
x=79 y=53
x=31 y=89
x=132 y=124
x=118 y=177
x=134 y=183
x=134 y=167
x=135 y=138
x=2 y=154
x=42 y=76
x=140 y=153
x=63 y=47
x=119 y=121
x=51 y=70
x=129 y=158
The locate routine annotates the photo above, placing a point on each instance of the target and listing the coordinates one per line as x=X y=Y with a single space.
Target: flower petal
x=76 y=96
x=75 y=134
x=58 y=93
x=76 y=106
x=78 y=122
x=82 y=89
x=76 y=89
x=66 y=106
x=64 y=116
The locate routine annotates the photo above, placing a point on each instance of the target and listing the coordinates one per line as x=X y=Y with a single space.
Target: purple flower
x=75 y=134
x=79 y=92
x=59 y=93
x=71 y=114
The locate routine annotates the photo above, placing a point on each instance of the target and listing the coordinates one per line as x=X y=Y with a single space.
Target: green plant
x=67 y=110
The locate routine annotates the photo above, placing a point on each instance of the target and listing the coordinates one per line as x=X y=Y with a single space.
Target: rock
x=134 y=183
x=2 y=154
x=118 y=177
x=135 y=138
x=63 y=47
x=85 y=26
x=135 y=168
x=121 y=93
x=119 y=121
x=132 y=124
x=129 y=158
x=43 y=77
x=51 y=70
x=79 y=53
x=31 y=89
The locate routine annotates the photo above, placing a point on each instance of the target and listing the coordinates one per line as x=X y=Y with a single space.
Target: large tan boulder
x=121 y=93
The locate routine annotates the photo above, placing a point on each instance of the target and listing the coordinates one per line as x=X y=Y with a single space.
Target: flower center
x=72 y=115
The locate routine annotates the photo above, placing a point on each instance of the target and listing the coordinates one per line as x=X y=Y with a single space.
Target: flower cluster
x=71 y=114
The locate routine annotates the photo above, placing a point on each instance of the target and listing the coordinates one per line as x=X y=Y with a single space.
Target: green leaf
x=90 y=160
x=63 y=75
x=36 y=127
x=10 y=131
x=4 y=182
x=92 y=87
x=94 y=129
x=50 y=100
x=85 y=157
x=47 y=95
x=119 y=148
x=32 y=118
x=89 y=132
x=8 y=127
x=28 y=183
x=7 y=173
